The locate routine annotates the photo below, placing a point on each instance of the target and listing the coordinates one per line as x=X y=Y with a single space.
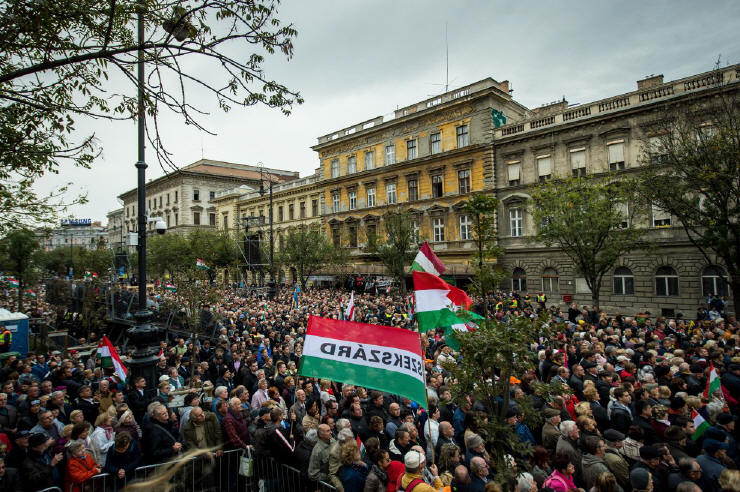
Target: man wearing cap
x=411 y=480
x=39 y=469
x=641 y=480
x=726 y=425
x=650 y=458
x=14 y=459
x=613 y=458
x=711 y=463
x=551 y=431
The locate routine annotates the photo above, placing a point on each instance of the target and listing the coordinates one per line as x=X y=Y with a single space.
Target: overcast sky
x=357 y=60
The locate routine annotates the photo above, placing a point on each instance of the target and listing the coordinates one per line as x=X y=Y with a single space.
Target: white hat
x=163 y=378
x=413 y=459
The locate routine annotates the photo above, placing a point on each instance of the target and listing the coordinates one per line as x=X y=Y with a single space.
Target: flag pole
x=426 y=398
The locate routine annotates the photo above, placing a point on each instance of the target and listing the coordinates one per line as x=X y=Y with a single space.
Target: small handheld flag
x=109 y=358
x=201 y=264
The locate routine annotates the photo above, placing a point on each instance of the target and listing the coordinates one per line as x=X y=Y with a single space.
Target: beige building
x=612 y=134
x=116 y=230
x=245 y=212
x=184 y=198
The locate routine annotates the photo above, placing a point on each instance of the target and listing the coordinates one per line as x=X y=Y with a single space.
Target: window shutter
x=513 y=169
x=616 y=152
x=544 y=165
x=660 y=214
x=578 y=158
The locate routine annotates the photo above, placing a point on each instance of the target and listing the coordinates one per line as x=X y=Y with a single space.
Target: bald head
x=197 y=415
x=324 y=432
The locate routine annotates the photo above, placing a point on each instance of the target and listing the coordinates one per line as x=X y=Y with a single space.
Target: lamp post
x=272 y=285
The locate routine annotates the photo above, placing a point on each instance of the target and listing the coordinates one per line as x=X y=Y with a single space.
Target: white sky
x=357 y=60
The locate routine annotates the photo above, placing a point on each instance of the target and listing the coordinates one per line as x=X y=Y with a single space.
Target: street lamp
x=272 y=285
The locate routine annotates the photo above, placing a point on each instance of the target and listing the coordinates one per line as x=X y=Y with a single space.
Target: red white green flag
x=427 y=261
x=201 y=264
x=700 y=425
x=437 y=301
x=374 y=356
x=713 y=383
x=13 y=283
x=109 y=358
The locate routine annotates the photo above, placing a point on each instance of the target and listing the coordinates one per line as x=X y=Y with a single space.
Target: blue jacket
x=711 y=468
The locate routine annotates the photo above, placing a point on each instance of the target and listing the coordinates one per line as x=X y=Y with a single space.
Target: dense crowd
x=626 y=423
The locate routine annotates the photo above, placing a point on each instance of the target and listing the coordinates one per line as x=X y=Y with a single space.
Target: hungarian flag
x=170 y=287
x=28 y=293
x=465 y=322
x=374 y=356
x=361 y=447
x=700 y=425
x=713 y=383
x=201 y=264
x=13 y=283
x=427 y=261
x=436 y=301
x=109 y=358
x=349 y=313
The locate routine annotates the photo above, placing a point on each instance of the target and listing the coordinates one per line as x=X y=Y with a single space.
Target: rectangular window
x=624 y=211
x=335 y=202
x=335 y=168
x=303 y=210
x=656 y=149
x=352 y=236
x=438 y=226
x=516 y=222
x=280 y=214
x=175 y=197
x=463 y=181
x=615 y=150
x=196 y=195
x=411 y=149
x=390 y=154
x=578 y=161
x=512 y=170
x=413 y=190
x=291 y=212
x=462 y=136
x=335 y=237
x=196 y=218
x=437 y=186
x=544 y=167
x=226 y=221
x=435 y=143
x=466 y=226
x=371 y=196
x=352 y=200
x=371 y=232
x=176 y=218
x=211 y=195
x=390 y=194
x=160 y=202
x=351 y=164
x=314 y=208
x=661 y=218
x=212 y=219
x=168 y=198
x=369 y=160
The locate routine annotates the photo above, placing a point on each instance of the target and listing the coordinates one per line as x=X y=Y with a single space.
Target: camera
x=160 y=226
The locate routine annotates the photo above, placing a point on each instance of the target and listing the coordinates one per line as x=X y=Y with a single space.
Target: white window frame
x=335 y=202
x=615 y=150
x=660 y=218
x=334 y=168
x=390 y=154
x=435 y=145
x=371 y=196
x=391 y=197
x=466 y=228
x=665 y=279
x=463 y=174
x=621 y=280
x=544 y=167
x=513 y=172
x=369 y=160
x=516 y=222
x=352 y=195
x=438 y=228
x=578 y=161
x=412 y=150
x=463 y=137
x=351 y=164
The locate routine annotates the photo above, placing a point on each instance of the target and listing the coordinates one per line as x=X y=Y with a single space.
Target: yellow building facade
x=427 y=159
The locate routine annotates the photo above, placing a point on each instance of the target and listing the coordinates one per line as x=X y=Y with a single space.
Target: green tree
x=582 y=216
x=16 y=254
x=397 y=251
x=482 y=212
x=63 y=61
x=691 y=169
x=492 y=354
x=307 y=249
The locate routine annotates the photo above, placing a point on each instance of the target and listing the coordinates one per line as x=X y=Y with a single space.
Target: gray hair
x=219 y=390
x=524 y=482
x=75 y=445
x=475 y=464
x=345 y=435
x=57 y=393
x=153 y=408
x=312 y=436
x=567 y=427
x=343 y=424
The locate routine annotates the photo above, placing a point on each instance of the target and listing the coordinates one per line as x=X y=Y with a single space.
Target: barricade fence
x=235 y=470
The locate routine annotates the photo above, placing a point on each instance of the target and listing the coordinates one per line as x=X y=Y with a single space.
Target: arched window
x=549 y=280
x=519 y=279
x=666 y=282
x=624 y=281
x=714 y=281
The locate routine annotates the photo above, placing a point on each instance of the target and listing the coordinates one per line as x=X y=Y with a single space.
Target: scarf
x=108 y=431
x=382 y=476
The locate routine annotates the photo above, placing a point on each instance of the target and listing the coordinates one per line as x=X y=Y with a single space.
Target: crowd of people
x=626 y=422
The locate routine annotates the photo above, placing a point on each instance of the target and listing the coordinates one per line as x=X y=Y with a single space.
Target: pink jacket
x=559 y=482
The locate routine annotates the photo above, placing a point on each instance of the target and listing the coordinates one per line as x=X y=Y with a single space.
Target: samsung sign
x=76 y=222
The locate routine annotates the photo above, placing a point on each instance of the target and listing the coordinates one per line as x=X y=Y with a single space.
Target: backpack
x=410 y=487
x=552 y=478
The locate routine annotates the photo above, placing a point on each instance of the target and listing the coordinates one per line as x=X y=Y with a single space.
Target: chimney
x=504 y=86
x=650 y=81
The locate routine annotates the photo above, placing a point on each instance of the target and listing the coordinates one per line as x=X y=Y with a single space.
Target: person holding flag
x=296 y=292
x=109 y=359
x=349 y=313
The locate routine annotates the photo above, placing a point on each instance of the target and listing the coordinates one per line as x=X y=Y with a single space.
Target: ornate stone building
x=426 y=159
x=593 y=138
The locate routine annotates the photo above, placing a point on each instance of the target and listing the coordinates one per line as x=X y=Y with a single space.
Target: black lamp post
x=272 y=284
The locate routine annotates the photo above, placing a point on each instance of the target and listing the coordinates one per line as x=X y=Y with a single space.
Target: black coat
x=158 y=442
x=137 y=403
x=36 y=473
x=11 y=481
x=89 y=410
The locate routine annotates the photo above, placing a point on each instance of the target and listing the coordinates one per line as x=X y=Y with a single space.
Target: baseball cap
x=413 y=459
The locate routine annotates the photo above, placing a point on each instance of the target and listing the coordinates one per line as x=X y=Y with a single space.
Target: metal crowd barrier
x=203 y=474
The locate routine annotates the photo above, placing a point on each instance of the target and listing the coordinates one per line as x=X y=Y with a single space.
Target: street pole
x=142 y=334
x=273 y=289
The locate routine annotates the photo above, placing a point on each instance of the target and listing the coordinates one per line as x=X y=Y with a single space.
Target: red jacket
x=79 y=470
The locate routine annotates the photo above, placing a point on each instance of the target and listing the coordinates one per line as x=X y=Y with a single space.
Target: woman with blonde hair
x=126 y=422
x=353 y=471
x=102 y=438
